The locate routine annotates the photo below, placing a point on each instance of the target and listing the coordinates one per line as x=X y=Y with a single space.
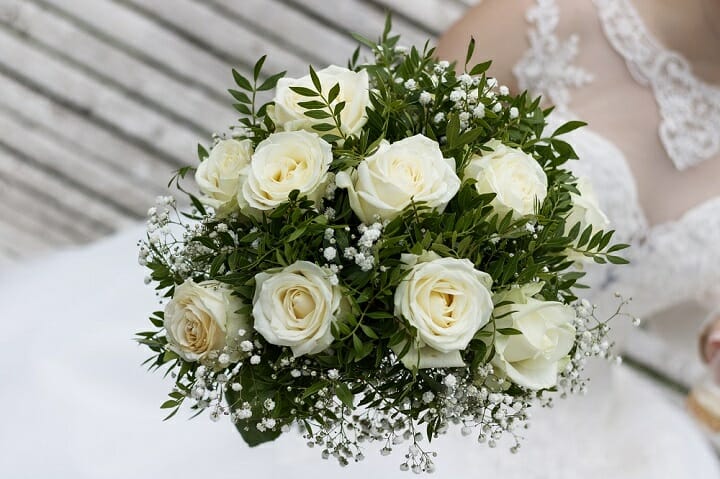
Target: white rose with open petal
x=288 y=115
x=220 y=176
x=286 y=161
x=533 y=358
x=586 y=211
x=296 y=307
x=517 y=180
x=386 y=182
x=202 y=318
x=447 y=300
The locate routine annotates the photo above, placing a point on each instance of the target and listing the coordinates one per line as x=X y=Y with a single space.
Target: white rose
x=447 y=300
x=533 y=358
x=586 y=211
x=219 y=177
x=517 y=180
x=296 y=307
x=354 y=91
x=408 y=170
x=202 y=318
x=287 y=161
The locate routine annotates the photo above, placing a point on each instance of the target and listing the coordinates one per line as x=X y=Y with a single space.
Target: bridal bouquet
x=378 y=254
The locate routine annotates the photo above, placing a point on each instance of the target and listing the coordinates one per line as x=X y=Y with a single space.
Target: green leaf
x=585 y=236
x=312 y=105
x=369 y=332
x=317 y=114
x=388 y=25
x=202 y=152
x=241 y=81
x=324 y=127
x=344 y=395
x=568 y=127
x=303 y=91
x=509 y=331
x=617 y=259
x=334 y=92
x=357 y=344
x=242 y=108
x=240 y=96
x=331 y=138
x=315 y=80
x=258 y=67
x=271 y=82
x=315 y=387
x=197 y=204
x=618 y=247
x=296 y=234
x=249 y=432
x=470 y=51
x=363 y=40
x=480 y=68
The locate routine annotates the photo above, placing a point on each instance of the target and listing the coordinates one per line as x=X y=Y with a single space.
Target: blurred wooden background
x=100 y=100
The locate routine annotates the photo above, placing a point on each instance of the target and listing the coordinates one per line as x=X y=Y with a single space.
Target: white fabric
x=78 y=405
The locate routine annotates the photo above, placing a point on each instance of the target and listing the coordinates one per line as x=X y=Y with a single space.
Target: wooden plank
x=21 y=242
x=228 y=40
x=47 y=213
x=69 y=127
x=359 y=16
x=291 y=30
x=102 y=103
x=99 y=180
x=146 y=40
x=435 y=16
x=164 y=92
x=99 y=218
x=28 y=216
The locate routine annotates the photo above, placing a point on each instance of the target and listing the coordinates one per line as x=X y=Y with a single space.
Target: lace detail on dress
x=678 y=262
x=689 y=107
x=546 y=68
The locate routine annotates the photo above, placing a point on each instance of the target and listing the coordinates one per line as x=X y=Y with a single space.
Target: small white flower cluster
x=476 y=403
x=592 y=342
x=158 y=223
x=363 y=254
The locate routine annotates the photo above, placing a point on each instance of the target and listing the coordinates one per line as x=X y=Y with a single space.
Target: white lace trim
x=689 y=108
x=546 y=68
x=677 y=262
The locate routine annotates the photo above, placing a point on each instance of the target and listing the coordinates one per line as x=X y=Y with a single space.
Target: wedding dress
x=78 y=405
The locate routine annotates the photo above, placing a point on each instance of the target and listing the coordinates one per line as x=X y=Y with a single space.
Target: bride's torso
x=598 y=60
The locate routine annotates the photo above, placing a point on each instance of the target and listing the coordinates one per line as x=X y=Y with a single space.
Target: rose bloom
x=287 y=161
x=219 y=177
x=586 y=211
x=533 y=358
x=386 y=182
x=354 y=91
x=201 y=318
x=447 y=300
x=296 y=307
x=517 y=180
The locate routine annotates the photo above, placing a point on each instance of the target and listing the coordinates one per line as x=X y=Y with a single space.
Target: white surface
x=78 y=405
